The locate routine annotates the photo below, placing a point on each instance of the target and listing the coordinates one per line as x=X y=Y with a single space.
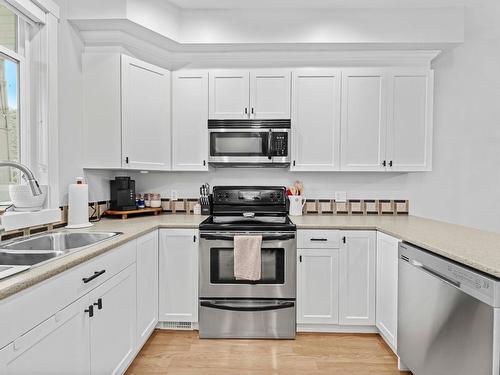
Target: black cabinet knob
x=98 y=304
x=90 y=310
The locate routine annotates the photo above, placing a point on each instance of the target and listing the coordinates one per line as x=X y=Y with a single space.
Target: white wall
x=464 y=186
x=317 y=185
x=70 y=114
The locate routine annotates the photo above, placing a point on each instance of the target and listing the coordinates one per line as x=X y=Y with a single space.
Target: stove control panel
x=257 y=195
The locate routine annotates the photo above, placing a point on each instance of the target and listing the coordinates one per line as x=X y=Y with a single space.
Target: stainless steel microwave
x=249 y=143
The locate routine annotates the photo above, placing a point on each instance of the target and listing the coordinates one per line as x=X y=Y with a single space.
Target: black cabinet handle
x=344 y=239
x=94 y=276
x=300 y=258
x=194 y=238
x=246 y=111
x=293 y=163
x=252 y=110
x=319 y=239
x=204 y=163
x=390 y=163
x=90 y=310
x=126 y=160
x=98 y=304
x=384 y=163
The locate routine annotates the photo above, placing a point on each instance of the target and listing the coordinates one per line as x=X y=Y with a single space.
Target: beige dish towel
x=247 y=259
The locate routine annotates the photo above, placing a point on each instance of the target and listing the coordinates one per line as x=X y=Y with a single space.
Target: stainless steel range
x=231 y=308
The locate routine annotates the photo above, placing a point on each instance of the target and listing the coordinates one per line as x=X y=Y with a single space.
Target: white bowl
x=24 y=200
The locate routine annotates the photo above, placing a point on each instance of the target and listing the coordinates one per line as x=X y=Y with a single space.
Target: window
x=9 y=100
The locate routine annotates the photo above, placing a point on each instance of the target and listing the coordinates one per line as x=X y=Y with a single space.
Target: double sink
x=23 y=253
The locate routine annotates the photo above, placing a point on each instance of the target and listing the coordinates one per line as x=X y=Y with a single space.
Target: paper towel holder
x=78 y=201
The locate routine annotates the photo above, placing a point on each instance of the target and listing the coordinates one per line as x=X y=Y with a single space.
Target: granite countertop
x=474 y=248
x=131 y=228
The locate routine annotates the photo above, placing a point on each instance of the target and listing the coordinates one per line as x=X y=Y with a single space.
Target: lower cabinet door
x=147 y=286
x=178 y=275
x=317 y=286
x=59 y=345
x=113 y=326
x=357 y=278
x=387 y=288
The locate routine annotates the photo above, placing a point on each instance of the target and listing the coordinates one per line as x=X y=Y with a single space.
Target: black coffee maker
x=122 y=194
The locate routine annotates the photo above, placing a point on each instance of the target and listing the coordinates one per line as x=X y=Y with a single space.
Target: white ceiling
x=312 y=4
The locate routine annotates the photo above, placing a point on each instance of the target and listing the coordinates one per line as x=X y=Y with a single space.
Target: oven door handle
x=235 y=307
x=217 y=237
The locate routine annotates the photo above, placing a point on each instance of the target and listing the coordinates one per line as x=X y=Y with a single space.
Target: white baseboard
x=402 y=366
x=334 y=328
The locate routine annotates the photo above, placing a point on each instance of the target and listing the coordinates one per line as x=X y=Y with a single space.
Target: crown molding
x=172 y=55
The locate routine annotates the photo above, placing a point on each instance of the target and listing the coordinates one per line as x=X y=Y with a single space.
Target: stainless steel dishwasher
x=448 y=316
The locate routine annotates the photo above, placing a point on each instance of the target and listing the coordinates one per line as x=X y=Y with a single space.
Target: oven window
x=222 y=266
x=238 y=144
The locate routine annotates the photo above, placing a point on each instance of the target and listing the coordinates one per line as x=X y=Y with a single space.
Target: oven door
x=278 y=271
x=247 y=146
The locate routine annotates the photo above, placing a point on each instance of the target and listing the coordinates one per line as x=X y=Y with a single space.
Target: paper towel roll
x=78 y=206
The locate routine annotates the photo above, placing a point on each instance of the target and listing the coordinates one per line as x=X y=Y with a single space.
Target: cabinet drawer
x=318 y=239
x=34 y=305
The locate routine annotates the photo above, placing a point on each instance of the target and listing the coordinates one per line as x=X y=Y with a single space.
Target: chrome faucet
x=32 y=182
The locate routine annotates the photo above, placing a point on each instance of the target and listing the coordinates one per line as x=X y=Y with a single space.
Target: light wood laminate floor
x=183 y=353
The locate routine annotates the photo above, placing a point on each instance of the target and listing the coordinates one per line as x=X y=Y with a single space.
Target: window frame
x=37 y=53
x=23 y=87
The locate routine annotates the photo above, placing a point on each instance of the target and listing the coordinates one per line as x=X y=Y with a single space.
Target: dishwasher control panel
x=468 y=278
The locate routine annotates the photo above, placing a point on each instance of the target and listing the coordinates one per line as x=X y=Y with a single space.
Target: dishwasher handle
x=430 y=271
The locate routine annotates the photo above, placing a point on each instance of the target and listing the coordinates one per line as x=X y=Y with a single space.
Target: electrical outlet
x=340 y=196
x=174 y=195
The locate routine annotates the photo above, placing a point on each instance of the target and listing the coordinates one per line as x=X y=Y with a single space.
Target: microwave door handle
x=269 y=139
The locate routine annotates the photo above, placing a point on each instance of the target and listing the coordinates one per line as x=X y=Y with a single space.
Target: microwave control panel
x=279 y=144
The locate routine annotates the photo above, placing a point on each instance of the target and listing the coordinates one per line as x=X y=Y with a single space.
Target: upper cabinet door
x=190 y=120
x=316 y=120
x=145 y=115
x=229 y=94
x=270 y=94
x=410 y=111
x=364 y=125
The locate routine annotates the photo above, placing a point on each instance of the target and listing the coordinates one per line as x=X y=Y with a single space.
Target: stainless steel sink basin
x=55 y=241
x=22 y=253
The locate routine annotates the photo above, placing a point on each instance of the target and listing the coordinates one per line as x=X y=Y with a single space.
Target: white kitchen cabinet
x=229 y=94
x=113 y=326
x=59 y=345
x=126 y=113
x=270 y=94
x=145 y=115
x=189 y=120
x=357 y=278
x=178 y=288
x=316 y=120
x=102 y=110
x=243 y=94
x=147 y=286
x=317 y=286
x=364 y=120
x=410 y=112
x=387 y=288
